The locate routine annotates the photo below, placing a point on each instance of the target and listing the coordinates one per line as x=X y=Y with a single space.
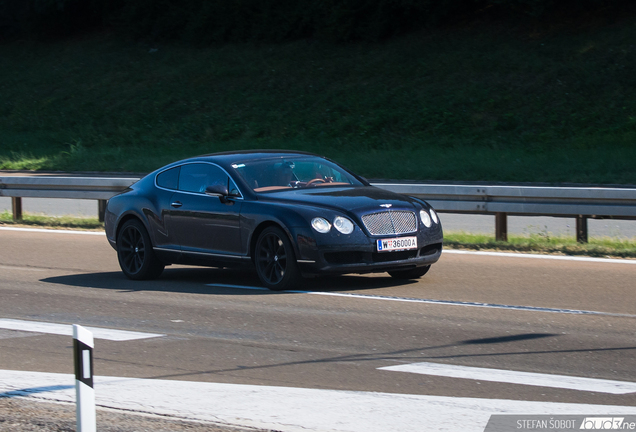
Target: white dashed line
x=67 y=330
x=515 y=377
x=436 y=302
x=53 y=231
x=537 y=256
x=446 y=251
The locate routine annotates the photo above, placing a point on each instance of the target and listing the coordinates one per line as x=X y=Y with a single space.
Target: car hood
x=365 y=199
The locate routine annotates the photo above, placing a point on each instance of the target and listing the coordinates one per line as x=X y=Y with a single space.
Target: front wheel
x=275 y=260
x=415 y=273
x=134 y=251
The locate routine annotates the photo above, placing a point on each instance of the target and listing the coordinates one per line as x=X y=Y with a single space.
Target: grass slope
x=476 y=103
x=56 y=222
x=543 y=243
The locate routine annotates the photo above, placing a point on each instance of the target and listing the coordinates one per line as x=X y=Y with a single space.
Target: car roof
x=229 y=157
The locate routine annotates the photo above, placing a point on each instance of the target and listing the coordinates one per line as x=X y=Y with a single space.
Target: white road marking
x=537 y=256
x=289 y=409
x=436 y=302
x=40 y=230
x=67 y=330
x=449 y=251
x=515 y=377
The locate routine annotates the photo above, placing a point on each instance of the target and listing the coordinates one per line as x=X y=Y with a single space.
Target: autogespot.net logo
x=606 y=423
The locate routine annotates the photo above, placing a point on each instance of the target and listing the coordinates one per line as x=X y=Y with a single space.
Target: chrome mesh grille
x=390 y=222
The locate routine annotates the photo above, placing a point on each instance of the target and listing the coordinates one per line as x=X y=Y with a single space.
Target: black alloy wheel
x=275 y=260
x=415 y=273
x=134 y=251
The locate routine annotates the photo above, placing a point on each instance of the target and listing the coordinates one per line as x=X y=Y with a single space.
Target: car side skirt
x=207 y=259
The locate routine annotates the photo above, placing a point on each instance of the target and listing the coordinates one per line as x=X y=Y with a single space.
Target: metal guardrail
x=580 y=203
x=523 y=200
x=577 y=202
x=92 y=188
x=59 y=186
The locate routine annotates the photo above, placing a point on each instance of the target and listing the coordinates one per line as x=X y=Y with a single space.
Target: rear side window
x=196 y=177
x=169 y=179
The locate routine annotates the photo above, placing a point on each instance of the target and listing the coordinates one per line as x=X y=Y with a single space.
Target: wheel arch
x=262 y=227
x=125 y=218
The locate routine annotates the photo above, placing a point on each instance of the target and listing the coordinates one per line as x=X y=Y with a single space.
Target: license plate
x=394 y=244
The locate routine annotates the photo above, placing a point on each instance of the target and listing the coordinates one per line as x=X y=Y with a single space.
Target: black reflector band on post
x=83 y=362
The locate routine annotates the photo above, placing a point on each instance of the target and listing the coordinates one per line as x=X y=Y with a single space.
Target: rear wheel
x=134 y=251
x=415 y=273
x=275 y=260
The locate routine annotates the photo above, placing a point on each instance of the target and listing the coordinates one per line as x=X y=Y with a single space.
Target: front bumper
x=357 y=253
x=372 y=262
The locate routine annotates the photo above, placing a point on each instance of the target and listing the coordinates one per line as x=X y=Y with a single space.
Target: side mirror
x=218 y=191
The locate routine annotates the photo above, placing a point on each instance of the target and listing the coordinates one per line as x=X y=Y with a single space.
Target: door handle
x=176 y=204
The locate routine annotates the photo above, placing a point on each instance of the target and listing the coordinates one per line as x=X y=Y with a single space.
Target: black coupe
x=287 y=214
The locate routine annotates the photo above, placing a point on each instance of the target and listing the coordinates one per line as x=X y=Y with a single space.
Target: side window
x=169 y=179
x=197 y=177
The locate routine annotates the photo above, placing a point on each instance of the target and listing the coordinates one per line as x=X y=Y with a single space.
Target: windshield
x=266 y=175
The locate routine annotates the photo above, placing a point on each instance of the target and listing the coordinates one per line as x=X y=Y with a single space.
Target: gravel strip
x=22 y=415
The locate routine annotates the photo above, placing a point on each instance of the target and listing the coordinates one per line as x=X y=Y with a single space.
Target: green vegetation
x=6 y=218
x=457 y=90
x=204 y=21
x=481 y=103
x=544 y=243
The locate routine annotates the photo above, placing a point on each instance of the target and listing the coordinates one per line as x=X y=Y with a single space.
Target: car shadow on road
x=214 y=281
x=435 y=353
x=458 y=353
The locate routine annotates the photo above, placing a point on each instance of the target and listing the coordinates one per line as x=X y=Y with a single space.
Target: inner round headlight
x=426 y=219
x=342 y=224
x=321 y=225
x=434 y=216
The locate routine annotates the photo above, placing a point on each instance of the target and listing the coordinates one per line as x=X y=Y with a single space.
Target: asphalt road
x=577 y=318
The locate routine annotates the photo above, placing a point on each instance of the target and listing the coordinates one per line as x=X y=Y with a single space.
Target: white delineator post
x=83 y=353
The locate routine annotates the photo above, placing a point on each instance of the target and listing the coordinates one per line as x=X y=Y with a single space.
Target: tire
x=415 y=273
x=275 y=260
x=134 y=252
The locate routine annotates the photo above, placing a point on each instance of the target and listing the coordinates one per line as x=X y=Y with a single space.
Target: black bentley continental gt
x=286 y=214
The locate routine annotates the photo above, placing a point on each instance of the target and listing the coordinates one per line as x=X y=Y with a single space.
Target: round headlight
x=321 y=225
x=342 y=224
x=426 y=219
x=434 y=216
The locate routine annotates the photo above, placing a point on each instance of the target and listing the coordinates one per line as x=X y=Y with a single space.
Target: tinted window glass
x=272 y=174
x=197 y=177
x=169 y=179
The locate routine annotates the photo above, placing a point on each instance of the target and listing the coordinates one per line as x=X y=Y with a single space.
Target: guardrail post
x=16 y=205
x=85 y=394
x=581 y=229
x=101 y=209
x=501 y=226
